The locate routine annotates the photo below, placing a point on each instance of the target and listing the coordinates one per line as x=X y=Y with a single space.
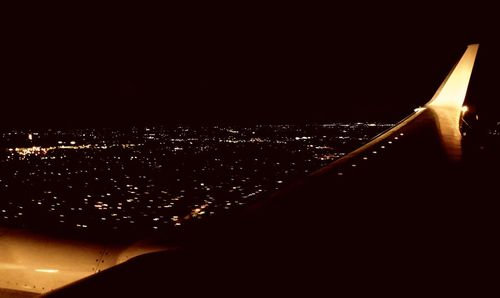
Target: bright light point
x=419 y=109
x=465 y=109
x=47 y=270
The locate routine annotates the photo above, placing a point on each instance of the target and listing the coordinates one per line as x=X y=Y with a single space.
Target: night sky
x=120 y=66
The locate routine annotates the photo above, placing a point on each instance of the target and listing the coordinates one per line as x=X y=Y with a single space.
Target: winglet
x=448 y=100
x=452 y=91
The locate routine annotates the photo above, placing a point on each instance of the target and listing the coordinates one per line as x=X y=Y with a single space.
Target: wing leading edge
x=444 y=110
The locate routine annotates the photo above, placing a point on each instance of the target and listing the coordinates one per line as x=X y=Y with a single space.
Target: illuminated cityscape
x=246 y=150
x=155 y=178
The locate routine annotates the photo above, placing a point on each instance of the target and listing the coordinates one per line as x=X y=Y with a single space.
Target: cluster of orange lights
x=35 y=150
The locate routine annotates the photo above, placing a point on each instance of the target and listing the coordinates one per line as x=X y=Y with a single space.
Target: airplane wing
x=394 y=217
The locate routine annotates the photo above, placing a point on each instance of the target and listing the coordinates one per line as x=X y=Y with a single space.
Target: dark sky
x=102 y=66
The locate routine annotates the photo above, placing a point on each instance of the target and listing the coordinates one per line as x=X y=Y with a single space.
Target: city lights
x=128 y=181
